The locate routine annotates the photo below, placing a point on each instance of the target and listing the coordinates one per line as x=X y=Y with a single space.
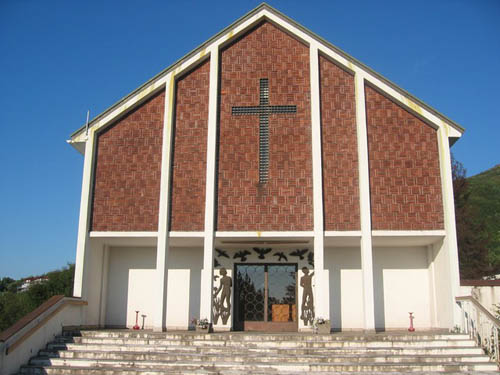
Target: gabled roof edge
x=313 y=35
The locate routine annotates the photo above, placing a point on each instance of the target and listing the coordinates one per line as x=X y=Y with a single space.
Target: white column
x=432 y=285
x=322 y=303
x=207 y=281
x=104 y=286
x=82 y=246
x=364 y=204
x=450 y=241
x=160 y=287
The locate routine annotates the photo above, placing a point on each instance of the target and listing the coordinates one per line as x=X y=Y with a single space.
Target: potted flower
x=202 y=325
x=322 y=325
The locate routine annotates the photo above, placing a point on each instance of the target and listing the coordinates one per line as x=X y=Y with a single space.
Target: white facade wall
x=183 y=286
x=401 y=286
x=130 y=286
x=346 y=288
x=443 y=286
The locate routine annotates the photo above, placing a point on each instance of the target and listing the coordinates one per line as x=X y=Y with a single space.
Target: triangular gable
x=167 y=77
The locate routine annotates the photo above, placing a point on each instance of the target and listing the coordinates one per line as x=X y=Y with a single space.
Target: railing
x=34 y=320
x=481 y=325
x=32 y=332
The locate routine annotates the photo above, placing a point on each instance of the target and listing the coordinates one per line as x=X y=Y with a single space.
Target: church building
x=265 y=180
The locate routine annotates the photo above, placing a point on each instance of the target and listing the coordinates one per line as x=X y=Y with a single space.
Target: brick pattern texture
x=340 y=153
x=128 y=170
x=405 y=180
x=284 y=203
x=190 y=151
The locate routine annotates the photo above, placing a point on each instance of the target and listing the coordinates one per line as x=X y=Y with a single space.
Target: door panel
x=265 y=297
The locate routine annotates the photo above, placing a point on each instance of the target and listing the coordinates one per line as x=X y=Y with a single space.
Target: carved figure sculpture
x=307 y=314
x=222 y=304
x=281 y=255
x=262 y=252
x=222 y=253
x=242 y=254
x=299 y=253
x=310 y=259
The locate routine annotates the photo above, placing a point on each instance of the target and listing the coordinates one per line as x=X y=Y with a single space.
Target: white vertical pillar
x=160 y=287
x=432 y=285
x=450 y=241
x=82 y=246
x=207 y=282
x=104 y=286
x=322 y=303
x=364 y=204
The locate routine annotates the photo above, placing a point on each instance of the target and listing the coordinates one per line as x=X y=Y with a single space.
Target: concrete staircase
x=110 y=352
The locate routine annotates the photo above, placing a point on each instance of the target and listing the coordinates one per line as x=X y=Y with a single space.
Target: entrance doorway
x=265 y=297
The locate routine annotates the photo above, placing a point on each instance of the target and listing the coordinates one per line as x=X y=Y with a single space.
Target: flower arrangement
x=201 y=323
x=321 y=325
x=320 y=321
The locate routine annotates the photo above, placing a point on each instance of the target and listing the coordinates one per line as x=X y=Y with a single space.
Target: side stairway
x=110 y=352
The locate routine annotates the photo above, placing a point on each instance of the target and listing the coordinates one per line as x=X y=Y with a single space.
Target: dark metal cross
x=264 y=110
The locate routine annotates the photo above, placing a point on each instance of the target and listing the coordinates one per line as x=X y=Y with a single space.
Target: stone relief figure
x=307 y=314
x=222 y=303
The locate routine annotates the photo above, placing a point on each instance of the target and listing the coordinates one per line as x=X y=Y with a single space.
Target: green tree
x=4 y=283
x=472 y=236
x=14 y=306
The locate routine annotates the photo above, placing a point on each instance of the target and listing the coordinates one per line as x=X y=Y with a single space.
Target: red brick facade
x=128 y=171
x=340 y=152
x=190 y=151
x=284 y=203
x=405 y=180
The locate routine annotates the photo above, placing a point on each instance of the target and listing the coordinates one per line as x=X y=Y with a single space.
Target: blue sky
x=60 y=58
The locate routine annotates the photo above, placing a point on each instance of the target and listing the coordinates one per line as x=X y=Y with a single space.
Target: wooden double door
x=265 y=297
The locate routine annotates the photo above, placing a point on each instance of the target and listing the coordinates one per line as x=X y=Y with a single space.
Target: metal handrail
x=481 y=325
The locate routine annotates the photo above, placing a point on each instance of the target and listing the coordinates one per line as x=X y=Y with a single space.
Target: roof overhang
x=262 y=13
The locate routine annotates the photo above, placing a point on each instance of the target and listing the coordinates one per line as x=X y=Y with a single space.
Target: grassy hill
x=485 y=198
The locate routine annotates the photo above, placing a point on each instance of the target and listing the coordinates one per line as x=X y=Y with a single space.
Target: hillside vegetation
x=485 y=197
x=477 y=211
x=14 y=305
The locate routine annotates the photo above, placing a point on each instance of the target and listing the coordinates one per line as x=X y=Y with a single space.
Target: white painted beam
x=364 y=204
x=450 y=241
x=97 y=234
x=84 y=220
x=257 y=235
x=104 y=286
x=206 y=298
x=160 y=289
x=322 y=301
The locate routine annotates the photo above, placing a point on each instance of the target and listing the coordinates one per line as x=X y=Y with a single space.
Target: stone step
x=448 y=350
x=244 y=357
x=132 y=371
x=268 y=344
x=110 y=352
x=268 y=336
x=259 y=366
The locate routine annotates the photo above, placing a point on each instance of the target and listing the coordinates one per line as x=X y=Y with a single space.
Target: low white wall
x=346 y=288
x=131 y=277
x=401 y=285
x=10 y=363
x=183 y=286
